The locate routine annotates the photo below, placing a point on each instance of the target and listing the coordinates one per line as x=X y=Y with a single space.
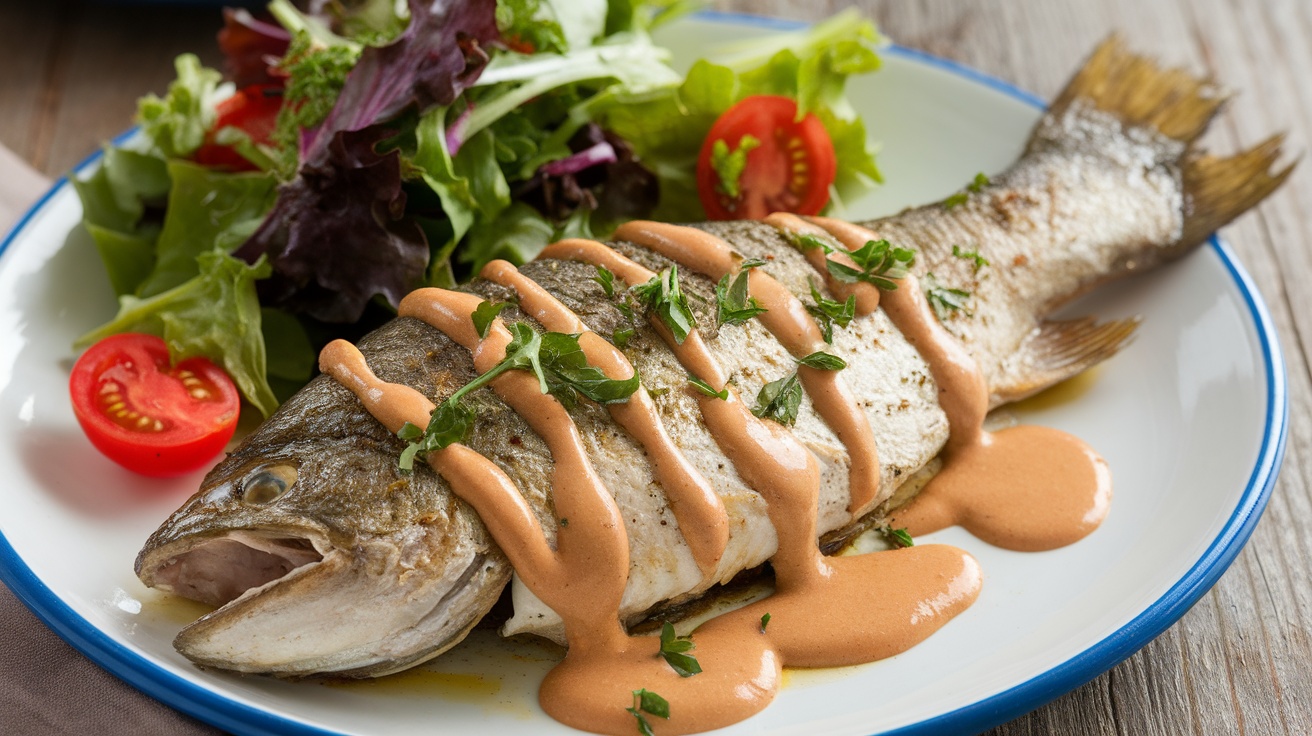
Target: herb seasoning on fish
x=1109 y=184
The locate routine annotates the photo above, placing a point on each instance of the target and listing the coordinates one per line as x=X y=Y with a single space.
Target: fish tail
x=1217 y=189
x=1179 y=105
x=1139 y=92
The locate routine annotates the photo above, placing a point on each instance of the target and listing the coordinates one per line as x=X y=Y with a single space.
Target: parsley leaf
x=956 y=200
x=675 y=651
x=823 y=361
x=646 y=701
x=554 y=358
x=975 y=186
x=606 y=279
x=878 y=263
x=977 y=260
x=829 y=313
x=779 y=400
x=729 y=165
x=484 y=314
x=734 y=305
x=706 y=388
x=897 y=537
x=663 y=297
x=621 y=336
x=751 y=263
x=765 y=621
x=944 y=299
x=568 y=373
x=807 y=241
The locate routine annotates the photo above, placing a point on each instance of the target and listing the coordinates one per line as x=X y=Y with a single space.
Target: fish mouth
x=296 y=606
x=218 y=569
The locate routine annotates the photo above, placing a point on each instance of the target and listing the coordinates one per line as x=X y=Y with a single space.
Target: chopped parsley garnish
x=779 y=400
x=554 y=358
x=956 y=200
x=675 y=651
x=823 y=361
x=315 y=76
x=621 y=336
x=897 y=537
x=646 y=701
x=484 y=314
x=973 y=256
x=606 y=279
x=663 y=297
x=944 y=299
x=765 y=621
x=706 y=389
x=729 y=165
x=829 y=313
x=878 y=262
x=751 y=263
x=974 y=187
x=807 y=241
x=734 y=305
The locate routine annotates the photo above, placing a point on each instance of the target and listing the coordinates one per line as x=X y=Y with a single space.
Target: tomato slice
x=253 y=109
x=147 y=415
x=789 y=169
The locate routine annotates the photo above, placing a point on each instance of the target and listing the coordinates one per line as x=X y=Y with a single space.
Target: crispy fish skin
x=360 y=569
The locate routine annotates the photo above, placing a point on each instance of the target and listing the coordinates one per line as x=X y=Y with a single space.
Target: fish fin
x=1058 y=350
x=1217 y=189
x=1141 y=93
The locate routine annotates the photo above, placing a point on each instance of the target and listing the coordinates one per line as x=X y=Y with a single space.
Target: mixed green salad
x=343 y=158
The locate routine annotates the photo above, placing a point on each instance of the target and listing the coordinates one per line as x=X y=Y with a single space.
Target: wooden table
x=1241 y=660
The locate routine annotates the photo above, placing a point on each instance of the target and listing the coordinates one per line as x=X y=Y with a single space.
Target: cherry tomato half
x=253 y=109
x=789 y=169
x=149 y=416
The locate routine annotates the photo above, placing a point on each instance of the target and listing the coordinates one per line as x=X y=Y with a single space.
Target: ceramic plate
x=1191 y=418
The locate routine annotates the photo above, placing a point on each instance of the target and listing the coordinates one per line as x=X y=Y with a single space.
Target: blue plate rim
x=224 y=713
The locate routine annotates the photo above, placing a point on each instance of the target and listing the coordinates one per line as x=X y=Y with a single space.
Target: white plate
x=1191 y=418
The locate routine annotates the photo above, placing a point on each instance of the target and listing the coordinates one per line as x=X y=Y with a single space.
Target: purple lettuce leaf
x=430 y=64
x=603 y=175
x=343 y=233
x=251 y=47
x=338 y=234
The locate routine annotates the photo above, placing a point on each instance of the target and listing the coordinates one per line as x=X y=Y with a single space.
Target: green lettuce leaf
x=115 y=200
x=176 y=123
x=208 y=209
x=216 y=315
x=667 y=126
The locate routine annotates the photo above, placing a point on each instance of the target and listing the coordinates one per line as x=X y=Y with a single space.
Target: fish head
x=321 y=554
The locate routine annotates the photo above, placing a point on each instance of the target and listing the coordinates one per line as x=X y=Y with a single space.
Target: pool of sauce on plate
x=825 y=611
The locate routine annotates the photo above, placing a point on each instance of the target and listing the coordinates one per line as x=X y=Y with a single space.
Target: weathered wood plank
x=29 y=39
x=116 y=53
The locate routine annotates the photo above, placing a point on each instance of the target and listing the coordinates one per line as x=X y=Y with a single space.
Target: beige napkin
x=46 y=686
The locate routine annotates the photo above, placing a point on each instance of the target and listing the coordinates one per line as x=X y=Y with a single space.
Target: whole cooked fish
x=326 y=558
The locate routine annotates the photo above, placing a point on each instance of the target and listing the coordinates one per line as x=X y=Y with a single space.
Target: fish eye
x=268 y=484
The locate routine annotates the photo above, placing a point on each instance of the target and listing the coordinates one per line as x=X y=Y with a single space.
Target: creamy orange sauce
x=787 y=319
x=698 y=510
x=1022 y=488
x=835 y=611
x=1026 y=488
